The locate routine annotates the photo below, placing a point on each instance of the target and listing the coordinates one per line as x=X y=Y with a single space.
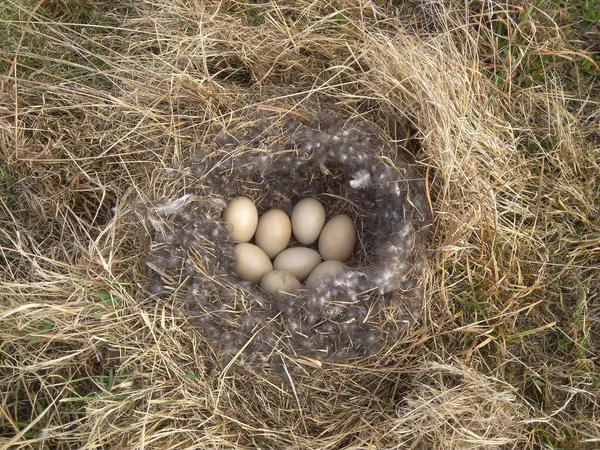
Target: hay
x=473 y=411
x=106 y=105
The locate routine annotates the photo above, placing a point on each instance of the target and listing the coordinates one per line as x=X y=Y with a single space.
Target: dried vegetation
x=104 y=104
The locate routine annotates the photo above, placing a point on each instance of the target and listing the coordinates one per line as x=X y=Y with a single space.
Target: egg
x=251 y=263
x=338 y=239
x=299 y=261
x=326 y=268
x=273 y=232
x=279 y=283
x=308 y=218
x=241 y=219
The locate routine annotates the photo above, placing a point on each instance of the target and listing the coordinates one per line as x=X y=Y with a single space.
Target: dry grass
x=101 y=102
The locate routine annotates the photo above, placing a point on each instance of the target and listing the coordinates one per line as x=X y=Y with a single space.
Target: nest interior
x=277 y=163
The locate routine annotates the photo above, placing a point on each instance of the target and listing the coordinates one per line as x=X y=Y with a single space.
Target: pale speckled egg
x=299 y=261
x=274 y=232
x=326 y=268
x=241 y=219
x=251 y=263
x=279 y=284
x=338 y=239
x=308 y=218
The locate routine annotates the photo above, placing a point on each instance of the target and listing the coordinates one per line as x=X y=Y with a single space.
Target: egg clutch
x=279 y=270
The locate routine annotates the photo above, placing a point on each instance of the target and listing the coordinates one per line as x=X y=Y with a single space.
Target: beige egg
x=338 y=239
x=326 y=268
x=299 y=261
x=241 y=219
x=279 y=283
x=274 y=232
x=251 y=263
x=308 y=218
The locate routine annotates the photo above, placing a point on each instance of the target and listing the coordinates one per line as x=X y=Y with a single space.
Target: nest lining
x=351 y=314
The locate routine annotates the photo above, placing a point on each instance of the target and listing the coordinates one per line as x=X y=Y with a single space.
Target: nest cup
x=351 y=171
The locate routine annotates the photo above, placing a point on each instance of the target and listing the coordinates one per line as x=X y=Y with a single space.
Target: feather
x=344 y=316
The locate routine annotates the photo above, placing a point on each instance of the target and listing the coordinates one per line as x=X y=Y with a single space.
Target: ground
x=497 y=102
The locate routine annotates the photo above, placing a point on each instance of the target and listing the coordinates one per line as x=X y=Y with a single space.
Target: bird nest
x=350 y=170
